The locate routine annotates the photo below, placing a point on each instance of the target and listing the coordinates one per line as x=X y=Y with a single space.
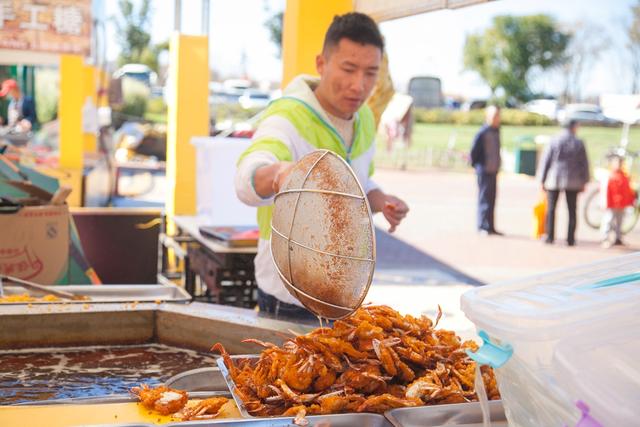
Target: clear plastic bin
x=536 y=315
x=603 y=371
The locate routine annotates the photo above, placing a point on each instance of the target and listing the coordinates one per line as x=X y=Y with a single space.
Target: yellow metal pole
x=188 y=116
x=72 y=75
x=305 y=23
x=90 y=97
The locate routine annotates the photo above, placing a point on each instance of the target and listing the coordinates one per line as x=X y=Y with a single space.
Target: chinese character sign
x=60 y=26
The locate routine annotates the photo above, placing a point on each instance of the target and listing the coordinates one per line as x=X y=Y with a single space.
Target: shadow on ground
x=402 y=263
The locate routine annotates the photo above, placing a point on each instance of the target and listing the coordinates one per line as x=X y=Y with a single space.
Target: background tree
x=507 y=52
x=274 y=26
x=133 y=35
x=633 y=43
x=588 y=42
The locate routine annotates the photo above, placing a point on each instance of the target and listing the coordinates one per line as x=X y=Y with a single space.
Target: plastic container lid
x=557 y=304
x=603 y=371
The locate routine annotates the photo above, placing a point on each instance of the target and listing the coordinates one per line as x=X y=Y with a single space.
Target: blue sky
x=426 y=44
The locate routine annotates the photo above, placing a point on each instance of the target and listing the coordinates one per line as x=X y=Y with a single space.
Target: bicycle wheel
x=593 y=211
x=630 y=219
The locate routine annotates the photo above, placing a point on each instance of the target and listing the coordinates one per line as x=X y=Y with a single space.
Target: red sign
x=60 y=26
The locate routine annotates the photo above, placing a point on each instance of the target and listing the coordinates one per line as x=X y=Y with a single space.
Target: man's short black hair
x=356 y=27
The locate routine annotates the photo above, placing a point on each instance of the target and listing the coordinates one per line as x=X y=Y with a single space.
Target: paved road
x=442 y=224
x=436 y=255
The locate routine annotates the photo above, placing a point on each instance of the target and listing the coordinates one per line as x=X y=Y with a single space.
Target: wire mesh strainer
x=322 y=236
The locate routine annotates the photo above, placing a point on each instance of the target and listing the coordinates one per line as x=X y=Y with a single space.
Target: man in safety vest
x=326 y=113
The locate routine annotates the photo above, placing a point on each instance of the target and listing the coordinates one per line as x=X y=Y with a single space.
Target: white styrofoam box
x=538 y=314
x=216 y=199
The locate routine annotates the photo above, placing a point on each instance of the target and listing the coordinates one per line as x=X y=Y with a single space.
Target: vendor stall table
x=226 y=273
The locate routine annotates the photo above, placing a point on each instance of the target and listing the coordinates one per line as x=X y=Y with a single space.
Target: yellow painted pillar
x=70 y=104
x=305 y=23
x=188 y=116
x=90 y=98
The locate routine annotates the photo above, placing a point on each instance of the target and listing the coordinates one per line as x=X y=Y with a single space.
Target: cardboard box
x=38 y=240
x=34 y=244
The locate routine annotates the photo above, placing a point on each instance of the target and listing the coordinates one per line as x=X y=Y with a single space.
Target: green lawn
x=430 y=142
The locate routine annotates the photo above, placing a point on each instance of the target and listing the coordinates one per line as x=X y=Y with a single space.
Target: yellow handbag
x=539 y=216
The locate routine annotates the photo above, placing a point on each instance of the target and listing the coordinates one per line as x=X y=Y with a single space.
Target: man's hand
x=282 y=172
x=394 y=211
x=24 y=125
x=268 y=180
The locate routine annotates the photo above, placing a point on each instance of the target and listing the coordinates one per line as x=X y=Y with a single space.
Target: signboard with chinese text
x=59 y=26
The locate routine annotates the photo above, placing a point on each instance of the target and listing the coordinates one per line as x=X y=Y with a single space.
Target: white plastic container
x=536 y=315
x=216 y=199
x=603 y=371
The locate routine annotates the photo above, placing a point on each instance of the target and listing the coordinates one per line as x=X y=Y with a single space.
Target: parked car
x=253 y=98
x=474 y=104
x=139 y=72
x=625 y=108
x=143 y=74
x=588 y=114
x=221 y=96
x=544 y=107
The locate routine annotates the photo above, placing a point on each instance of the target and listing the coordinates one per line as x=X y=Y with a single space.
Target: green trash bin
x=526 y=157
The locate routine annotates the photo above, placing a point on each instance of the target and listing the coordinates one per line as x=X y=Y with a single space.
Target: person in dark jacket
x=21 y=111
x=485 y=158
x=564 y=168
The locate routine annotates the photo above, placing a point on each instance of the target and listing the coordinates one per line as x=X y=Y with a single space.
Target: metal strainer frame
x=298 y=191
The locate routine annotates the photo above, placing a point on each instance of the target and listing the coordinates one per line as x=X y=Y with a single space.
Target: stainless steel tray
x=109 y=294
x=112 y=398
x=201 y=379
x=337 y=420
x=456 y=414
x=459 y=414
x=232 y=386
x=120 y=425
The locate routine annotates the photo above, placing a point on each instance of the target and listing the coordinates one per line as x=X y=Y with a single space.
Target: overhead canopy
x=386 y=10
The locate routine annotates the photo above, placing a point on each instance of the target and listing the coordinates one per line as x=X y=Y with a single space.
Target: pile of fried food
x=169 y=401
x=28 y=298
x=371 y=361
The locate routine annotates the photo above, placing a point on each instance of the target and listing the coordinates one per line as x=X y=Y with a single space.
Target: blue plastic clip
x=614 y=281
x=491 y=354
x=586 y=420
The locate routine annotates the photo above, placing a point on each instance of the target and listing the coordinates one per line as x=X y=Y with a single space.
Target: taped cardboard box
x=34 y=244
x=38 y=241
